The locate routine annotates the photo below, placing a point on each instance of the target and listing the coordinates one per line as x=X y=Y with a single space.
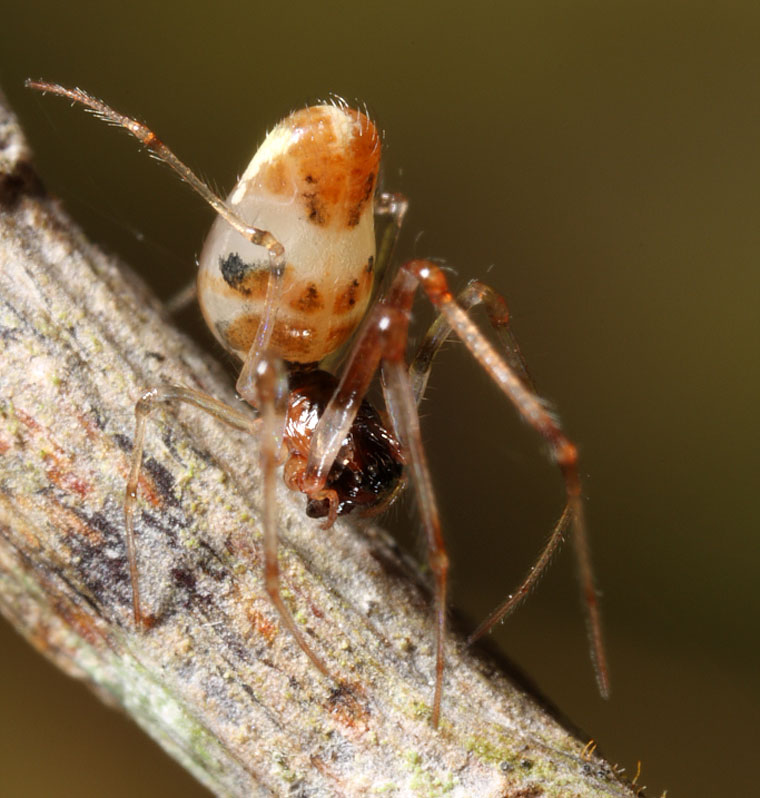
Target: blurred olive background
x=598 y=164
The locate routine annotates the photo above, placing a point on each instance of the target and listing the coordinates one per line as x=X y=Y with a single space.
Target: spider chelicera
x=285 y=294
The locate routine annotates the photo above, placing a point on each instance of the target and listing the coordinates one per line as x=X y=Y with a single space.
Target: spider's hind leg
x=510 y=373
x=476 y=293
x=472 y=295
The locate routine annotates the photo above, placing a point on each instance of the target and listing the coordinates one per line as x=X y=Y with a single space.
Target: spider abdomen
x=312 y=184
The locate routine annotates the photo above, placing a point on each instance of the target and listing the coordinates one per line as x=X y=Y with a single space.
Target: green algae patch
x=422 y=782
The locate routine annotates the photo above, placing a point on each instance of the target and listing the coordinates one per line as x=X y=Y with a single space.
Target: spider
x=285 y=294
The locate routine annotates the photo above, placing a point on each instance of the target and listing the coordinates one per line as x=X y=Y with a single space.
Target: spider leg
x=390 y=210
x=383 y=334
x=145 y=406
x=535 y=413
x=403 y=411
x=473 y=294
x=513 y=601
x=159 y=150
x=476 y=293
x=383 y=337
x=271 y=384
x=178 y=301
x=271 y=387
x=263 y=383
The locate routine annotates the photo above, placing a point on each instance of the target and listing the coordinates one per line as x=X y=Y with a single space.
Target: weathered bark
x=217 y=681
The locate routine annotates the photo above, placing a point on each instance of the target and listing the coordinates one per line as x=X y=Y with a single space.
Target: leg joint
x=433 y=280
x=565 y=453
x=439 y=563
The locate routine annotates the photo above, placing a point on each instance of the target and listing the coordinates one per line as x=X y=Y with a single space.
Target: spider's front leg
x=383 y=339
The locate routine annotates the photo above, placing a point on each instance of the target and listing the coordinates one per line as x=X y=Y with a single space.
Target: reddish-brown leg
x=476 y=293
x=263 y=383
x=398 y=392
x=384 y=336
x=384 y=328
x=472 y=295
x=534 y=411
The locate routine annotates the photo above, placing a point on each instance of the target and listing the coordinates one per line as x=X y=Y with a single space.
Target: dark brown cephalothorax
x=370 y=464
x=285 y=279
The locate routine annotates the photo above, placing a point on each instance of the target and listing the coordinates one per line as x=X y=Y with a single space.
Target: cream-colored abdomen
x=311 y=184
